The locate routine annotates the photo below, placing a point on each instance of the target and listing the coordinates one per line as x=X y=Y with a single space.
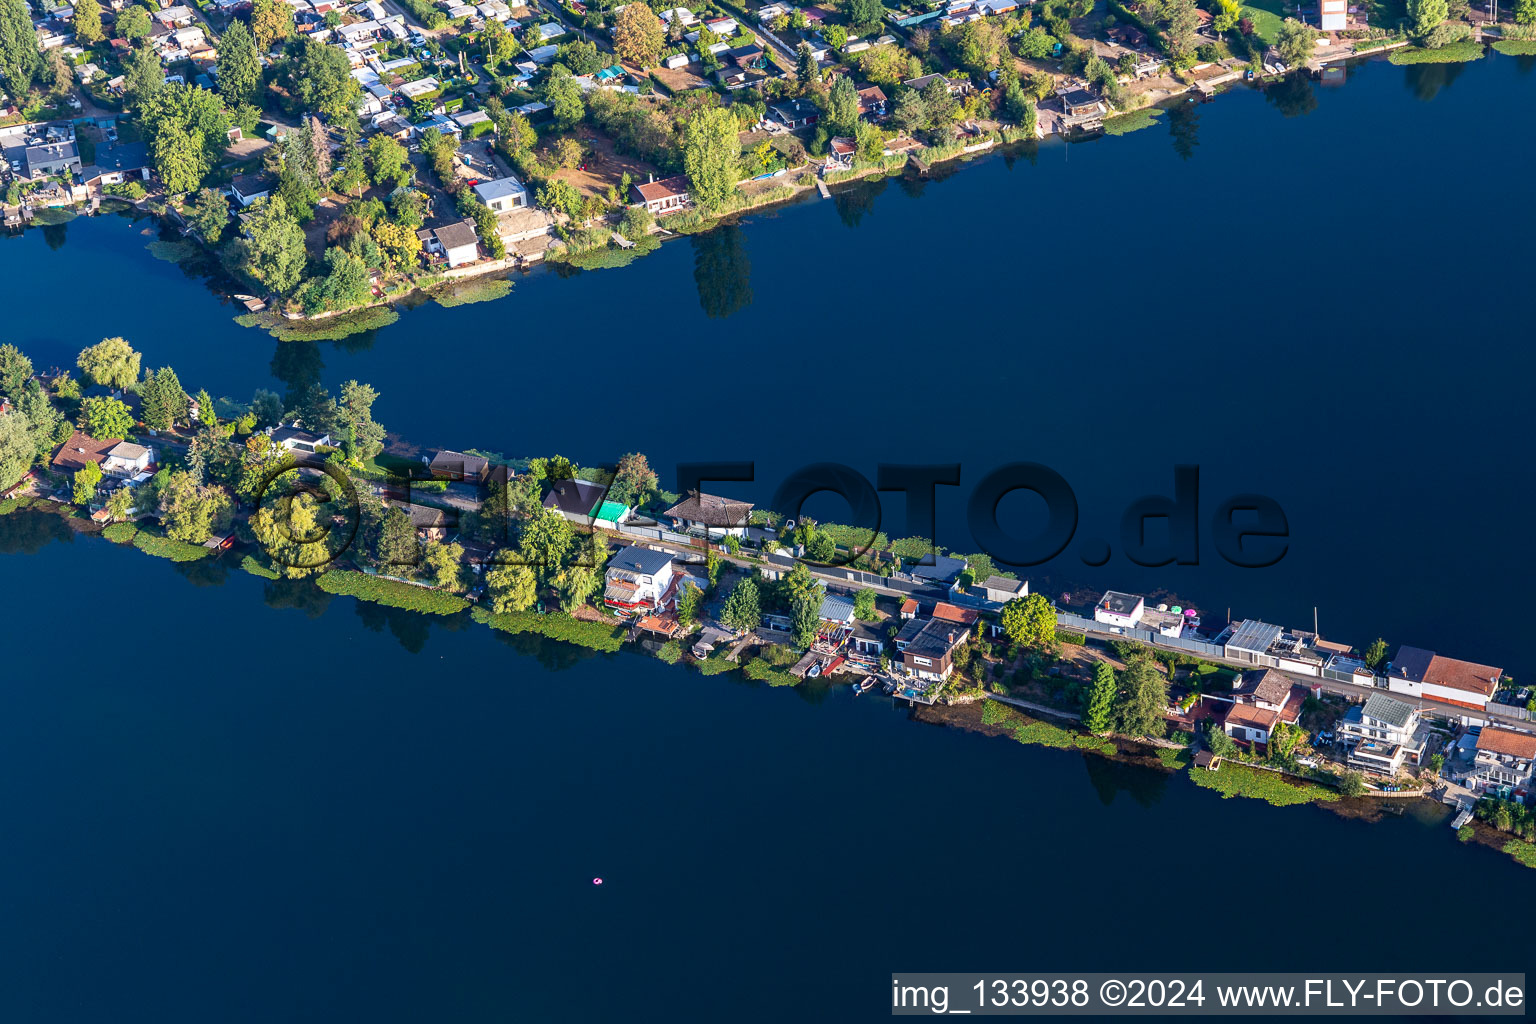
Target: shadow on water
x=552 y=655
x=1109 y=778
x=205 y=572
x=1426 y=80
x=1184 y=127
x=1292 y=96
x=300 y=595
x=722 y=270
x=28 y=531
x=853 y=203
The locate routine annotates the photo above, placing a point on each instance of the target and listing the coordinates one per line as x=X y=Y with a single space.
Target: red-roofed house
x=665 y=196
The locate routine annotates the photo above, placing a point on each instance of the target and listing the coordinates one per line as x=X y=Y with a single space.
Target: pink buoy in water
x=597 y=881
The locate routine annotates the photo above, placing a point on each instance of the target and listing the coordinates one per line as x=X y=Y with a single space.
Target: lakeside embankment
x=974 y=712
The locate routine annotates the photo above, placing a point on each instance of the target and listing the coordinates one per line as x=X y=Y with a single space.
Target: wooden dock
x=821 y=186
x=923 y=167
x=622 y=242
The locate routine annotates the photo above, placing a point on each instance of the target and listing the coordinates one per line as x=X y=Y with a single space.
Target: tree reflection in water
x=1110 y=778
x=722 y=271
x=1293 y=95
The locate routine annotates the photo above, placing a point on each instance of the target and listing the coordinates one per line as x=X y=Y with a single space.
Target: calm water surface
x=367 y=818
x=362 y=815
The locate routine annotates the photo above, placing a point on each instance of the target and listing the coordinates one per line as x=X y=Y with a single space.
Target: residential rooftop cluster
x=337 y=154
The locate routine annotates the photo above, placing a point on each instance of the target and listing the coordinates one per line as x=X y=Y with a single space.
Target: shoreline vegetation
x=605 y=635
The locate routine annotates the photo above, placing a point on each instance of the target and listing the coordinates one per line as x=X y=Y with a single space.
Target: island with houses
x=308 y=492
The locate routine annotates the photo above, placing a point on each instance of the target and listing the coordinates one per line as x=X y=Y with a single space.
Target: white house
x=1383 y=734
x=1420 y=673
x=1261 y=699
x=547 y=31
x=503 y=194
x=457 y=243
x=710 y=515
x=1334 y=15
x=128 y=461
x=638 y=579
x=295 y=439
x=1120 y=610
x=1502 y=764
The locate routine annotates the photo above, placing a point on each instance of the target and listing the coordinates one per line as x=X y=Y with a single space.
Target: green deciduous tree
x=711 y=154
x=112 y=363
x=864 y=605
x=1376 y=654
x=1294 y=41
x=271 y=21
x=272 y=252
x=689 y=597
x=105 y=417
x=743 y=608
x=345 y=284
x=120 y=504
x=187 y=130
x=638 y=36
x=15 y=371
x=319 y=78
x=805 y=618
x=239 y=65
x=20 y=60
x=208 y=213
x=564 y=98
x=575 y=584
x=87 y=23
x=1030 y=621
x=633 y=481
x=133 y=23
x=1098 y=712
x=512 y=588
x=143 y=74
x=1352 y=784
x=191 y=513
x=443 y=565
x=546 y=539
x=87 y=478
x=1427 y=15
x=389 y=165
x=16 y=448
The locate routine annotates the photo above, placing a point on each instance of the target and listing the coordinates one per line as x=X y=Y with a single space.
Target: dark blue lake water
x=361 y=816
x=325 y=813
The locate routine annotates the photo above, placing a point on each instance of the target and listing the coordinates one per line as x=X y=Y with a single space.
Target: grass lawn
x=1266 y=16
